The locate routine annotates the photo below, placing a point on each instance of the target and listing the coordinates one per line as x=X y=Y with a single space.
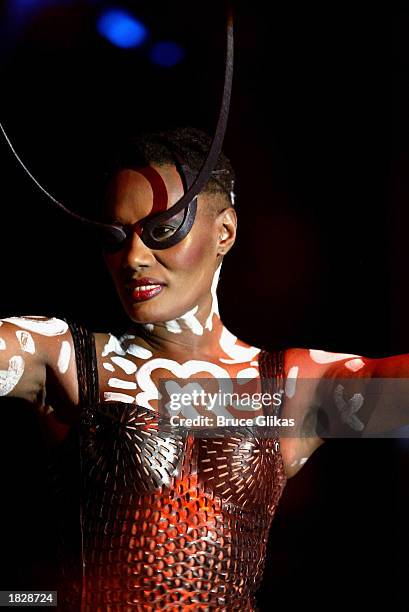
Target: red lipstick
x=144 y=288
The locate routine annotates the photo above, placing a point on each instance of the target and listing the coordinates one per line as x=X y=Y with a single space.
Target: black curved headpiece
x=115 y=235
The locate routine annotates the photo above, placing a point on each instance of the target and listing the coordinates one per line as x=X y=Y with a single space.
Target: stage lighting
x=166 y=54
x=121 y=28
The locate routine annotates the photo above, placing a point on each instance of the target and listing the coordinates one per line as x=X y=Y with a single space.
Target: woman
x=170 y=518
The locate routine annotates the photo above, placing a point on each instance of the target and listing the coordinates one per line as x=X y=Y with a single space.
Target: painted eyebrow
x=159 y=191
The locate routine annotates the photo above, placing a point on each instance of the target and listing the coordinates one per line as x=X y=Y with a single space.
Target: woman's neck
x=196 y=332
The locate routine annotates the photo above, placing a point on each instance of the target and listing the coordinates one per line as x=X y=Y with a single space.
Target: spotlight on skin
x=166 y=54
x=121 y=28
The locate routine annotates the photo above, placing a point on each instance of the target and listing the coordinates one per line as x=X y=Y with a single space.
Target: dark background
x=318 y=135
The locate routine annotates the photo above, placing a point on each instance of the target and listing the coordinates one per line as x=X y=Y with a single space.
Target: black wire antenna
x=115 y=233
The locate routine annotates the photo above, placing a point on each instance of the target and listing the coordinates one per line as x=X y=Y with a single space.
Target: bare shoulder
x=37 y=364
x=314 y=363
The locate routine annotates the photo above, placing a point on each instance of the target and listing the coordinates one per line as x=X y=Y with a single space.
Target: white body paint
x=300 y=461
x=126 y=337
x=9 y=378
x=291 y=382
x=326 y=357
x=189 y=318
x=128 y=366
x=148 y=392
x=42 y=326
x=2 y=344
x=119 y=397
x=192 y=322
x=118 y=383
x=354 y=365
x=139 y=351
x=64 y=357
x=347 y=409
x=113 y=346
x=238 y=354
x=26 y=341
x=247 y=373
x=186 y=370
x=215 y=305
x=108 y=366
x=173 y=327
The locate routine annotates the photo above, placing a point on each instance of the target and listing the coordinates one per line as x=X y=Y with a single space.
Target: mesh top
x=168 y=521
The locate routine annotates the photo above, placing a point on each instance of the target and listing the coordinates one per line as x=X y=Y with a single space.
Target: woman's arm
x=304 y=371
x=33 y=352
x=333 y=395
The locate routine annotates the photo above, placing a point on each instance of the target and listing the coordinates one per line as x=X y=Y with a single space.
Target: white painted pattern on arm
x=347 y=409
x=42 y=326
x=354 y=365
x=64 y=357
x=320 y=356
x=9 y=378
x=2 y=341
x=291 y=382
x=26 y=341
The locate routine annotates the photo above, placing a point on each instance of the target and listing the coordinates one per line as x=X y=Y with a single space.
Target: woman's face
x=184 y=271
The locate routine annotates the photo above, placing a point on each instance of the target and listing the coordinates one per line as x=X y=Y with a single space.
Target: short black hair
x=191 y=144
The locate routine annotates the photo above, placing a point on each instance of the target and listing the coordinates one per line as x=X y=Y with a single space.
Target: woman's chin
x=141 y=311
x=144 y=313
x=152 y=310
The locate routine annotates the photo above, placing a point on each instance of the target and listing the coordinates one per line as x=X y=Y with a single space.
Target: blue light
x=121 y=28
x=24 y=5
x=166 y=54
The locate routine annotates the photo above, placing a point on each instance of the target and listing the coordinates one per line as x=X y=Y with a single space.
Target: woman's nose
x=137 y=254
